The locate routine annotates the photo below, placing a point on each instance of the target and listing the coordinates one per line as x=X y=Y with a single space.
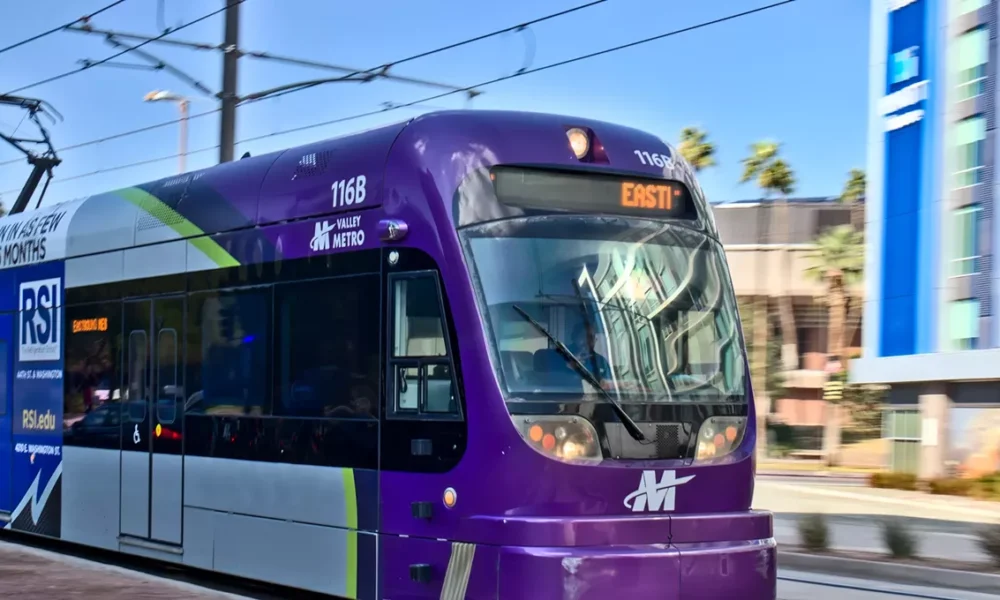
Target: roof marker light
x=579 y=142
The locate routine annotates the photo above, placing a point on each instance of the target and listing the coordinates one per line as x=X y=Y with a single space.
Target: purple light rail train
x=473 y=355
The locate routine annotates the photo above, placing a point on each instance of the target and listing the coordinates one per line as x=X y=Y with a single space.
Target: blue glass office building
x=932 y=295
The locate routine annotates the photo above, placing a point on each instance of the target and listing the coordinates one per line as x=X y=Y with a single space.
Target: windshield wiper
x=579 y=367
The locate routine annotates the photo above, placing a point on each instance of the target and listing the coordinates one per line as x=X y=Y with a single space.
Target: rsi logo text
x=39 y=320
x=652 y=495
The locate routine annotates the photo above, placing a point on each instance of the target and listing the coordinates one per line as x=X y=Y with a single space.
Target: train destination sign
x=590 y=192
x=88 y=325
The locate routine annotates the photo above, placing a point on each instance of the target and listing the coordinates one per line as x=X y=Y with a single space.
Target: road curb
x=892 y=573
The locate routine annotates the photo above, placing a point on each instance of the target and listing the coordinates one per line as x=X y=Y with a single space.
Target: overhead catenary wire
x=91 y=65
x=393 y=107
x=82 y=19
x=425 y=54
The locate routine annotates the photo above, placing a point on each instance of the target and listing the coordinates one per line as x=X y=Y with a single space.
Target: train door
x=151 y=458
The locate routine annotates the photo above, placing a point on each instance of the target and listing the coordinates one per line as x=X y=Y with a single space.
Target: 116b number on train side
x=349 y=191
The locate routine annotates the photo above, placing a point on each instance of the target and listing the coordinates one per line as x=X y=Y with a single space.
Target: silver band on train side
x=456 y=578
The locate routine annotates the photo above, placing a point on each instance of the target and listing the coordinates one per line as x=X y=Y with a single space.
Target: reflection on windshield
x=650 y=315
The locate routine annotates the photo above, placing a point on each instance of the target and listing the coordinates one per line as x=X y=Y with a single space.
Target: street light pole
x=184 y=104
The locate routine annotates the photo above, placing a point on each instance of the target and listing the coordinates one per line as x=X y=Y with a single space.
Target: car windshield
x=646 y=307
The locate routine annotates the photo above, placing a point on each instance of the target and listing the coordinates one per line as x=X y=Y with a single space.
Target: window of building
x=961 y=7
x=327 y=348
x=970 y=146
x=228 y=345
x=902 y=429
x=423 y=385
x=966 y=236
x=963 y=324
x=971 y=53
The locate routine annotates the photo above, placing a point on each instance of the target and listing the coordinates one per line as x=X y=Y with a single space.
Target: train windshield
x=646 y=307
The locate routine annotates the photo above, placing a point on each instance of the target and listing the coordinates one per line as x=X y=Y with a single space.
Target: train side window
x=93 y=379
x=228 y=353
x=327 y=348
x=166 y=391
x=422 y=383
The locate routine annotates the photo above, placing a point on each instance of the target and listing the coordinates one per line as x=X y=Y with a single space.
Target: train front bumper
x=711 y=571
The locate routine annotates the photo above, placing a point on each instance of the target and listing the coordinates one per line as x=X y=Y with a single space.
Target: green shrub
x=951 y=487
x=895 y=481
x=899 y=540
x=989 y=541
x=814 y=533
x=988 y=487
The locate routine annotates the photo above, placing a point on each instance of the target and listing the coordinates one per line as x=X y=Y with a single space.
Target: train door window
x=167 y=379
x=423 y=383
x=137 y=348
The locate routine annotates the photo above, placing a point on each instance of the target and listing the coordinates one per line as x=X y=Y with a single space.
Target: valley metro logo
x=321 y=237
x=653 y=496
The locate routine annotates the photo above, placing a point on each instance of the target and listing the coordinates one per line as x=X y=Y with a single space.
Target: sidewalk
x=811 y=468
x=945 y=526
x=28 y=573
x=822 y=497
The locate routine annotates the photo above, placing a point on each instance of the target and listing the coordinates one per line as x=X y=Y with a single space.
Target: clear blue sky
x=796 y=74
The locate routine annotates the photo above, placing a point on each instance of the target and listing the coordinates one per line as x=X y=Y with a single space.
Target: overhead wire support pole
x=230 y=76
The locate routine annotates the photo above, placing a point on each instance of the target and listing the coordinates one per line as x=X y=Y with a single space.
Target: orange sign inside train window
x=89 y=325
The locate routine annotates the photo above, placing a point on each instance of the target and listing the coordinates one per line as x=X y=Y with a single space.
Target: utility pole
x=230 y=75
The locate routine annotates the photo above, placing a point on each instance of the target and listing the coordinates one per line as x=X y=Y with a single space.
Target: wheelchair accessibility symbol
x=136 y=438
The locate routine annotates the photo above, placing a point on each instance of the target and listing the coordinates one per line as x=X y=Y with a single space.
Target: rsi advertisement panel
x=37 y=399
x=906 y=118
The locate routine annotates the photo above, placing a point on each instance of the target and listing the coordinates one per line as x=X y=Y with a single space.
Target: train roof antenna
x=41 y=164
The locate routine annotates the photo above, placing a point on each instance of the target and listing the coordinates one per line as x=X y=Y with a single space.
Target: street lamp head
x=160 y=95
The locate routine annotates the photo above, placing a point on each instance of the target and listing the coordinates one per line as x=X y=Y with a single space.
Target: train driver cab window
x=423 y=385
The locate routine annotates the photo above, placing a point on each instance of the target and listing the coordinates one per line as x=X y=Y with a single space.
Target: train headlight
x=719 y=436
x=579 y=142
x=568 y=438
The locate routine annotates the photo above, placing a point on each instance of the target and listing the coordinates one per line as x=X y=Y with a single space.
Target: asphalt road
x=793 y=585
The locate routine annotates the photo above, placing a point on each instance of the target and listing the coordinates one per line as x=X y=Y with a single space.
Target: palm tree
x=774 y=176
x=838 y=261
x=853 y=195
x=695 y=148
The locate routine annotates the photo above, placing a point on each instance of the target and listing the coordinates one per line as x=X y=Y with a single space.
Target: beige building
x=769 y=260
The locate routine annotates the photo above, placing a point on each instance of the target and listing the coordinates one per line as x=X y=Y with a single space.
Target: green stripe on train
x=351 y=510
x=174 y=220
